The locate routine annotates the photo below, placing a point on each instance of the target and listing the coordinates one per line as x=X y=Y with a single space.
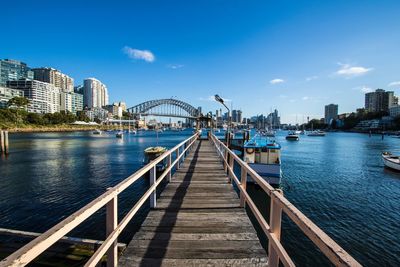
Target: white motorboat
x=391 y=161
x=317 y=133
x=97 y=131
x=119 y=134
x=133 y=131
x=292 y=136
x=264 y=156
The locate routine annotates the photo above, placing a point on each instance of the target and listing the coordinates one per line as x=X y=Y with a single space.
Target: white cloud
x=276 y=81
x=311 y=78
x=363 y=89
x=283 y=96
x=305 y=98
x=133 y=53
x=366 y=89
x=394 y=84
x=175 y=66
x=349 y=71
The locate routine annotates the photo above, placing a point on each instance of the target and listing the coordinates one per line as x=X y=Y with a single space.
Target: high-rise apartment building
x=77 y=102
x=380 y=100
x=43 y=97
x=273 y=120
x=95 y=94
x=236 y=116
x=55 y=77
x=13 y=70
x=331 y=112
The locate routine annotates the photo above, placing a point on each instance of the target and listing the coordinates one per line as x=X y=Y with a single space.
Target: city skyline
x=261 y=56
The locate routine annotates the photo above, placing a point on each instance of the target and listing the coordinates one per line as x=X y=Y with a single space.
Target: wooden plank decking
x=197 y=221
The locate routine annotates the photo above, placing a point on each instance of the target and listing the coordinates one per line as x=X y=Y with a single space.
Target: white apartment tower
x=95 y=93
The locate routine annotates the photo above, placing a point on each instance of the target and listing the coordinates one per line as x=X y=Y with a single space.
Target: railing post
x=243 y=184
x=169 y=165
x=275 y=228
x=225 y=159
x=177 y=158
x=231 y=165
x=111 y=225
x=153 y=196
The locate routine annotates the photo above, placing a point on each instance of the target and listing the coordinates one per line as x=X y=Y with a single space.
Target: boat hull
x=271 y=173
x=390 y=164
x=292 y=138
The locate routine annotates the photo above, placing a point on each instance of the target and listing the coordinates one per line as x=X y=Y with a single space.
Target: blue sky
x=295 y=56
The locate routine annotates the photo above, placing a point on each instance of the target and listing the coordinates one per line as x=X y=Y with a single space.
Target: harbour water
x=338 y=181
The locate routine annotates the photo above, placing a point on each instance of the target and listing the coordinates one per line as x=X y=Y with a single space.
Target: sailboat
x=120 y=133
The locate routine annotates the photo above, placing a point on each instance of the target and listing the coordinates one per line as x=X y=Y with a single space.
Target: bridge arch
x=165 y=107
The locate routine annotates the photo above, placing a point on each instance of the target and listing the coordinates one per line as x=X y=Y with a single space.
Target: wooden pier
x=197 y=221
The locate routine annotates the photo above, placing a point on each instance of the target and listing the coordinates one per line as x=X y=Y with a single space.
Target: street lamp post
x=220 y=100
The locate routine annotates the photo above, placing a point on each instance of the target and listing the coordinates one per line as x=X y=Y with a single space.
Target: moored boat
x=264 y=156
x=119 y=134
x=317 y=133
x=391 y=161
x=97 y=131
x=292 y=136
x=151 y=153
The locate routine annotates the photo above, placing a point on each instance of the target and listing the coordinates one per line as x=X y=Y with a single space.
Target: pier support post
x=6 y=142
x=275 y=220
x=2 y=142
x=243 y=181
x=111 y=225
x=153 y=196
x=169 y=165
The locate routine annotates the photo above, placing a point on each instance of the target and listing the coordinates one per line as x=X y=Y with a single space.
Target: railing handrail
x=336 y=254
x=34 y=248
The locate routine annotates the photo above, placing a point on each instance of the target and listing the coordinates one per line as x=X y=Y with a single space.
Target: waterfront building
x=54 y=77
x=113 y=109
x=66 y=101
x=95 y=94
x=77 y=102
x=43 y=97
x=331 y=113
x=380 y=100
x=96 y=113
x=8 y=93
x=394 y=111
x=71 y=102
x=13 y=70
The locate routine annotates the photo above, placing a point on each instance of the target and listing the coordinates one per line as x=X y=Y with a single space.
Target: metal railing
x=109 y=199
x=276 y=252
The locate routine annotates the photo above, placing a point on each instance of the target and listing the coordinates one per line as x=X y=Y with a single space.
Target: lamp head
x=219 y=99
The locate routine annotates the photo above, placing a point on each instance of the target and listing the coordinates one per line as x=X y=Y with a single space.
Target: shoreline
x=55 y=129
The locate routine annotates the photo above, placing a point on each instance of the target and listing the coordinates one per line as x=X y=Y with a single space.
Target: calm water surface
x=338 y=181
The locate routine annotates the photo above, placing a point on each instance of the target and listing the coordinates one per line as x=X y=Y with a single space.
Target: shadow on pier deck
x=197 y=221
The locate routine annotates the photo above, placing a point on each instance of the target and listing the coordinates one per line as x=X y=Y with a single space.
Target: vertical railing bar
x=153 y=196
x=111 y=225
x=243 y=184
x=275 y=228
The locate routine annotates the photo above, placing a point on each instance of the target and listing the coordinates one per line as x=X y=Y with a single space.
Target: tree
x=18 y=101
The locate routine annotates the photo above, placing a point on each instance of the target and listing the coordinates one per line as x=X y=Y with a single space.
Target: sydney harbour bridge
x=169 y=107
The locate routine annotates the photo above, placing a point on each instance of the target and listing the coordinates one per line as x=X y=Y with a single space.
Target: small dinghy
x=391 y=161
